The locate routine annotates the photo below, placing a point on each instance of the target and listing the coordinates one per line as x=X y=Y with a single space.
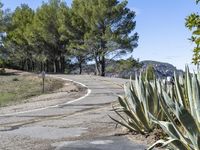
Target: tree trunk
x=54 y=65
x=41 y=67
x=26 y=65
x=80 y=68
x=97 y=67
x=57 y=63
x=47 y=68
x=59 y=66
x=63 y=64
x=21 y=65
x=33 y=65
x=102 y=57
x=103 y=65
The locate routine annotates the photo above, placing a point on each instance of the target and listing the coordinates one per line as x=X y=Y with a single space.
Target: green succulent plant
x=183 y=113
x=140 y=98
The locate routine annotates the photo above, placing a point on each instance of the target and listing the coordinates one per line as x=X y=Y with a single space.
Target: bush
x=15 y=79
x=2 y=71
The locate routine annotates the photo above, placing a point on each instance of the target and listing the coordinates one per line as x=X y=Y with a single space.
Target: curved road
x=82 y=124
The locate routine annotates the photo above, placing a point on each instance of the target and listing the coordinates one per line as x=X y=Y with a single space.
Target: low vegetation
x=183 y=113
x=16 y=88
x=193 y=23
x=141 y=97
x=119 y=66
x=179 y=101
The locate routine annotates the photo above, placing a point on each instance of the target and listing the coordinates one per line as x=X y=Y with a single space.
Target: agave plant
x=183 y=127
x=141 y=97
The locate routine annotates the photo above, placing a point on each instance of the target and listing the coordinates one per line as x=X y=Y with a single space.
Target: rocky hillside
x=162 y=70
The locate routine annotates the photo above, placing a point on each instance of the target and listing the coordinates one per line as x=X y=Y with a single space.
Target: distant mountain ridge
x=162 y=69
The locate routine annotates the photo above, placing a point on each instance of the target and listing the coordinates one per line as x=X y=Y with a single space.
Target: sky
x=160 y=25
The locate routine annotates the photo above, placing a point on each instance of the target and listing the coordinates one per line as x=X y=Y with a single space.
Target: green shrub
x=15 y=79
x=2 y=71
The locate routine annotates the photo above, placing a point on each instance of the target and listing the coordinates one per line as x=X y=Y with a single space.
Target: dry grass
x=15 y=88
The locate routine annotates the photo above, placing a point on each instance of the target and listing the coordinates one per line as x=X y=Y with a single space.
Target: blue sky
x=160 y=24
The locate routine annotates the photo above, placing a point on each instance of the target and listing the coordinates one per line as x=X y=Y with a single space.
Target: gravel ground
x=68 y=92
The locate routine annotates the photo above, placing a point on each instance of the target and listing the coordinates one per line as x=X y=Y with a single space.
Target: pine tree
x=49 y=26
x=110 y=25
x=17 y=36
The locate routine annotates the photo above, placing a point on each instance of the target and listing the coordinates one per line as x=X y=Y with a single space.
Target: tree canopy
x=193 y=24
x=54 y=35
x=110 y=24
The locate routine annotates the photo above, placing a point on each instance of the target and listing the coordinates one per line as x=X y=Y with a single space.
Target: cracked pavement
x=82 y=124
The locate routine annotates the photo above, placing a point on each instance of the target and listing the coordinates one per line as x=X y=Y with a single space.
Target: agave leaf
x=129 y=96
x=153 y=99
x=144 y=102
x=139 y=111
x=156 y=99
x=171 y=91
x=137 y=126
x=169 y=102
x=186 y=92
x=198 y=76
x=143 y=118
x=124 y=121
x=118 y=113
x=160 y=115
x=178 y=144
x=133 y=99
x=150 y=98
x=134 y=119
x=131 y=114
x=196 y=95
x=137 y=85
x=189 y=91
x=179 y=91
x=198 y=142
x=162 y=142
x=121 y=102
x=140 y=98
x=188 y=122
x=123 y=124
x=138 y=129
x=166 y=111
x=131 y=84
x=169 y=129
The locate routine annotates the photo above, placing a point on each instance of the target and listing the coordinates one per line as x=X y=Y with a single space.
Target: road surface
x=76 y=124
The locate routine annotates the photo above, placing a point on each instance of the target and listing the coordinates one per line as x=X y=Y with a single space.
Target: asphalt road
x=77 y=124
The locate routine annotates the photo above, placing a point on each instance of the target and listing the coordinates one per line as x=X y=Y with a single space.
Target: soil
x=147 y=139
x=68 y=92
